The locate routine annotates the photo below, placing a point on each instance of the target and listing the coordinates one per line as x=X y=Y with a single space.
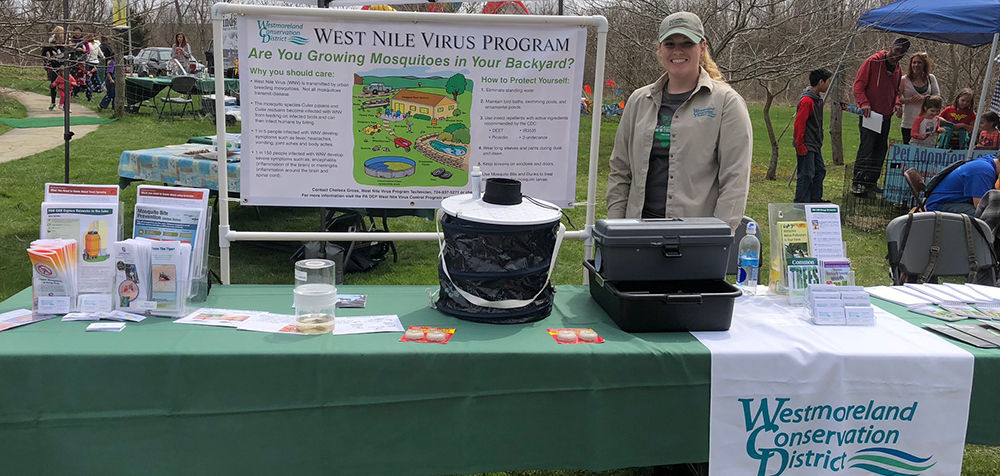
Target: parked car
x=157 y=61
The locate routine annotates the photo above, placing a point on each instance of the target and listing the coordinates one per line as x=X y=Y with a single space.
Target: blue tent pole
x=982 y=97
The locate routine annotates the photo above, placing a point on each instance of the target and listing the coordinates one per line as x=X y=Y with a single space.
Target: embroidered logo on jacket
x=708 y=111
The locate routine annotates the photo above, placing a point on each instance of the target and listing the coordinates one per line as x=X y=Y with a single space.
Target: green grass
x=95 y=160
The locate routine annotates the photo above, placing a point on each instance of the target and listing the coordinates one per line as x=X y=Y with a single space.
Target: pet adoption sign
x=394 y=114
x=792 y=398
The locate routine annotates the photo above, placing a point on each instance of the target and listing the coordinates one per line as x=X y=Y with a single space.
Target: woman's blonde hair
x=710 y=67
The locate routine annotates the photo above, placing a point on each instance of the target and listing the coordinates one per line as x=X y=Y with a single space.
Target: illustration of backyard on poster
x=394 y=114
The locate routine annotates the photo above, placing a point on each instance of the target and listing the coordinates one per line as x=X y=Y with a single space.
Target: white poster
x=394 y=114
x=794 y=399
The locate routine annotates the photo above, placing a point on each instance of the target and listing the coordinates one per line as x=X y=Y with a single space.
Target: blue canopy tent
x=971 y=23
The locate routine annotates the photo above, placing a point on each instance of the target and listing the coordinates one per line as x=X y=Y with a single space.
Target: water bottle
x=749 y=261
x=476 y=178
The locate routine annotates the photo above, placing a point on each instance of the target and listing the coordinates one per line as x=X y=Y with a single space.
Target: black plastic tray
x=665 y=306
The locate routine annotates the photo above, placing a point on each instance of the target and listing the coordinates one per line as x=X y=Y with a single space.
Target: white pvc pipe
x=982 y=97
x=227 y=235
x=595 y=140
x=221 y=157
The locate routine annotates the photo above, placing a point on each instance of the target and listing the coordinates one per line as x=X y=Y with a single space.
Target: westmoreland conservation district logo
x=283 y=32
x=812 y=447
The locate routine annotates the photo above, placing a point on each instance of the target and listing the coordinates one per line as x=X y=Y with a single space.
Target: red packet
x=588 y=334
x=429 y=335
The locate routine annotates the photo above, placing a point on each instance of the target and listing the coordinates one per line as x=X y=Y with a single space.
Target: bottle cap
x=751 y=228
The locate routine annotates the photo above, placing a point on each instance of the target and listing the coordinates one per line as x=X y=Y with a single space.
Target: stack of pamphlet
x=807 y=248
x=947 y=302
x=133 y=286
x=174 y=214
x=54 y=285
x=89 y=215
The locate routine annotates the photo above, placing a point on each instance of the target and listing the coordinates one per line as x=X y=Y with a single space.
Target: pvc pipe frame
x=982 y=96
x=227 y=235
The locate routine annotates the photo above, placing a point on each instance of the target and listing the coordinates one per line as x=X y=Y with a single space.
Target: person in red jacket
x=876 y=88
x=808 y=134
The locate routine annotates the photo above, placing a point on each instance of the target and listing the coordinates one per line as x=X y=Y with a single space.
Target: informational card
x=872 y=122
x=94 y=303
x=219 y=317
x=825 y=238
x=94 y=226
x=81 y=193
x=381 y=112
x=106 y=327
x=366 y=324
x=20 y=317
x=351 y=300
x=269 y=322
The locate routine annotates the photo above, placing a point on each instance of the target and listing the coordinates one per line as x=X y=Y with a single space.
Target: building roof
x=420 y=97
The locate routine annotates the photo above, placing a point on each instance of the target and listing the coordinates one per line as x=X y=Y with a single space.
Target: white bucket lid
x=525 y=213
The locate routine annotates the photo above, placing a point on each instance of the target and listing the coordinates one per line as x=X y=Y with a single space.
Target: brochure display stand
x=402 y=93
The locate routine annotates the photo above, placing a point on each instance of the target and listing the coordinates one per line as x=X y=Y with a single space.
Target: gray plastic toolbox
x=632 y=249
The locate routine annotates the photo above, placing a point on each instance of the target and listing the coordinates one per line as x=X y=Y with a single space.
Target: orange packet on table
x=429 y=335
x=575 y=336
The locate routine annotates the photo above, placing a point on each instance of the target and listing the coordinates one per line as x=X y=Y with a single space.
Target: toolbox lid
x=647 y=232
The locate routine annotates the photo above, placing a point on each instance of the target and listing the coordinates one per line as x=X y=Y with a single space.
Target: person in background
x=109 y=96
x=918 y=84
x=961 y=190
x=927 y=125
x=876 y=88
x=961 y=118
x=808 y=137
x=93 y=61
x=684 y=143
x=182 y=51
x=989 y=137
x=53 y=53
x=60 y=84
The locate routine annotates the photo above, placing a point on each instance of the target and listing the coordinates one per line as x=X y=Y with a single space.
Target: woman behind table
x=917 y=85
x=181 y=51
x=683 y=145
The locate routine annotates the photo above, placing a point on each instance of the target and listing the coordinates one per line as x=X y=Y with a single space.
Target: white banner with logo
x=791 y=398
x=384 y=113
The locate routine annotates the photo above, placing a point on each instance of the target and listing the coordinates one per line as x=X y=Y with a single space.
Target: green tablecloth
x=165 y=398
x=139 y=89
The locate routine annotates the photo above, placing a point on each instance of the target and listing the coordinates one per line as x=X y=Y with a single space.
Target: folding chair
x=182 y=85
x=917 y=186
x=925 y=245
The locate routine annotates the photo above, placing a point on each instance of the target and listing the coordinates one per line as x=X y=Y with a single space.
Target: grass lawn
x=95 y=160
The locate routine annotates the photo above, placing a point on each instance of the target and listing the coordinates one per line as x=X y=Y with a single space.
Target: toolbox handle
x=670 y=246
x=684 y=298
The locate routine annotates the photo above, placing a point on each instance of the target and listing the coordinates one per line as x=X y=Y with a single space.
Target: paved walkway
x=18 y=143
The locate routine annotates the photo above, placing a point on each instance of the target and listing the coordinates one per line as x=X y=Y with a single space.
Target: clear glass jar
x=315 y=296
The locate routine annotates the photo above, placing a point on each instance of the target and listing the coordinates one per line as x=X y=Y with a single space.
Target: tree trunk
x=772 y=167
x=836 y=121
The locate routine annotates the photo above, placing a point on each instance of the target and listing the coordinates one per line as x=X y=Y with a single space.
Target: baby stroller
x=82 y=77
x=952 y=138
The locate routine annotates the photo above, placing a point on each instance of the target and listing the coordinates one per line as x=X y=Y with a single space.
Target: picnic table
x=140 y=89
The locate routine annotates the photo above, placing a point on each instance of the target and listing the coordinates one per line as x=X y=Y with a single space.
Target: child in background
x=960 y=118
x=927 y=125
x=989 y=138
x=808 y=139
x=60 y=85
